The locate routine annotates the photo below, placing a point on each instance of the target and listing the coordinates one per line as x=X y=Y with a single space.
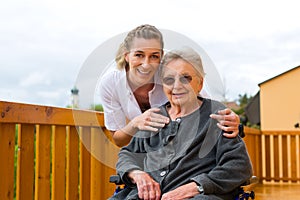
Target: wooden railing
x=58 y=153
x=275 y=155
x=54 y=153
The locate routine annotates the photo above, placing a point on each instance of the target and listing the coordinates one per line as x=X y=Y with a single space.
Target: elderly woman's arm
x=130 y=158
x=233 y=167
x=130 y=168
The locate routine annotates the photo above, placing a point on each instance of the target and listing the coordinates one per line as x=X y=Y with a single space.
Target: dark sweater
x=190 y=150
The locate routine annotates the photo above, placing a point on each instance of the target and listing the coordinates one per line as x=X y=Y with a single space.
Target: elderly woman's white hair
x=187 y=54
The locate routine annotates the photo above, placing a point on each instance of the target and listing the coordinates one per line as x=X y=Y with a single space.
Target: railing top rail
x=11 y=112
x=252 y=131
x=281 y=132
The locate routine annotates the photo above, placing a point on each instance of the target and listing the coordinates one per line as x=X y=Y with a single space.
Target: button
x=178 y=119
x=163 y=173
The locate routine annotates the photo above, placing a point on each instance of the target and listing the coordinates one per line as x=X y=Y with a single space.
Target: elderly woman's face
x=181 y=83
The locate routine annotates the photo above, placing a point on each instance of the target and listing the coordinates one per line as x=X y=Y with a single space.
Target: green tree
x=242 y=101
x=97 y=107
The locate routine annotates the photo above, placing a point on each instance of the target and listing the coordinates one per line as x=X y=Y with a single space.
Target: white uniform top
x=118 y=100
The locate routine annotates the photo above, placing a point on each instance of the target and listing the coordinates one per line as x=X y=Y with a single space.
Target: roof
x=232 y=105
x=279 y=75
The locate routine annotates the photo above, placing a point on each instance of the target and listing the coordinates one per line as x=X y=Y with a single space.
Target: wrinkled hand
x=183 y=192
x=150 y=120
x=148 y=189
x=228 y=122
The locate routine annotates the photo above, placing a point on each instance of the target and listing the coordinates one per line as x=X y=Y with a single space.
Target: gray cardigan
x=191 y=148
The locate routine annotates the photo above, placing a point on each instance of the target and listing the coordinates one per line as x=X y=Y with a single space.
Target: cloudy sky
x=44 y=44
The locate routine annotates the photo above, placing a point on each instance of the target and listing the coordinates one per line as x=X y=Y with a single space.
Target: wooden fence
x=58 y=153
x=54 y=153
x=274 y=155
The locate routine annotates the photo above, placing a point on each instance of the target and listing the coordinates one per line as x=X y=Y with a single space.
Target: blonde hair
x=145 y=31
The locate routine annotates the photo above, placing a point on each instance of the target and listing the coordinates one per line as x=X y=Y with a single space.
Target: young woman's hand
x=150 y=120
x=228 y=121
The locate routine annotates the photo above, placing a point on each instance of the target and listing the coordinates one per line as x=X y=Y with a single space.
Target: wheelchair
x=245 y=190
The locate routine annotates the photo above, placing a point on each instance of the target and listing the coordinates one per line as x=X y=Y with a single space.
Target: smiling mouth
x=143 y=72
x=178 y=94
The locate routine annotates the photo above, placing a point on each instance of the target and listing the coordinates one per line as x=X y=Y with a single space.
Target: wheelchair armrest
x=116 y=179
x=248 y=185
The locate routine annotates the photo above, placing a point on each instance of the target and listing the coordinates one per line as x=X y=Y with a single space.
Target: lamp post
x=75 y=97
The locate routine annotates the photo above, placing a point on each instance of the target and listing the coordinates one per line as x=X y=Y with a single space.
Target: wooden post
x=7 y=155
x=42 y=168
x=25 y=167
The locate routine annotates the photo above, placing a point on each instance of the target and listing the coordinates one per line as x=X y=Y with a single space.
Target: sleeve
x=131 y=157
x=114 y=117
x=233 y=167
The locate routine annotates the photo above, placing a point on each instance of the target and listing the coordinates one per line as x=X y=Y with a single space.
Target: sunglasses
x=185 y=79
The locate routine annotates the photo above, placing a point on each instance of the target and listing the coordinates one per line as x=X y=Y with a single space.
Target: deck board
x=276 y=191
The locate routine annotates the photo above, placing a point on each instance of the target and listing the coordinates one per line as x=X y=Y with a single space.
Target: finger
x=144 y=191
x=231 y=124
x=157 y=191
x=154 y=110
x=152 y=193
x=157 y=194
x=159 y=118
x=225 y=111
x=146 y=194
x=217 y=117
x=230 y=135
x=148 y=128
x=140 y=190
x=225 y=114
x=228 y=131
x=156 y=124
x=227 y=128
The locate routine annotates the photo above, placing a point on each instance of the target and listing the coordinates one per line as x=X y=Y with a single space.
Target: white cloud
x=35 y=78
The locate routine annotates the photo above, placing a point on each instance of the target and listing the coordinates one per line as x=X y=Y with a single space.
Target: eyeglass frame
x=184 y=79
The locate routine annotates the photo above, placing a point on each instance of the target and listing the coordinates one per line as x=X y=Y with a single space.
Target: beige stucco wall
x=280 y=101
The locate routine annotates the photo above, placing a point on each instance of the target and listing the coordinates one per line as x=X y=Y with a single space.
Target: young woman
x=131 y=93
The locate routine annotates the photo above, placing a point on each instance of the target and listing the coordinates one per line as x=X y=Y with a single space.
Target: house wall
x=280 y=101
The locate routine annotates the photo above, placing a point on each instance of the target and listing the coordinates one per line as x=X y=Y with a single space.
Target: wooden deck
x=58 y=153
x=276 y=192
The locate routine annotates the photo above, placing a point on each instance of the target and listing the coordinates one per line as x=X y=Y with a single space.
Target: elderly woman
x=189 y=158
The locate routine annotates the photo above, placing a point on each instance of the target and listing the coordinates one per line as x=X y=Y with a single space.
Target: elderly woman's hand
x=148 y=189
x=228 y=122
x=183 y=192
x=150 y=120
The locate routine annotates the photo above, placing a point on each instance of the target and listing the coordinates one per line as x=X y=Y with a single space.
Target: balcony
x=59 y=153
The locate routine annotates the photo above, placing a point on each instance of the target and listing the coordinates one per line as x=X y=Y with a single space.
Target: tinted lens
x=183 y=79
x=168 y=80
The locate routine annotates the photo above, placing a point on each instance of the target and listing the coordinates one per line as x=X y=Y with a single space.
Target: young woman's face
x=144 y=59
x=181 y=83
